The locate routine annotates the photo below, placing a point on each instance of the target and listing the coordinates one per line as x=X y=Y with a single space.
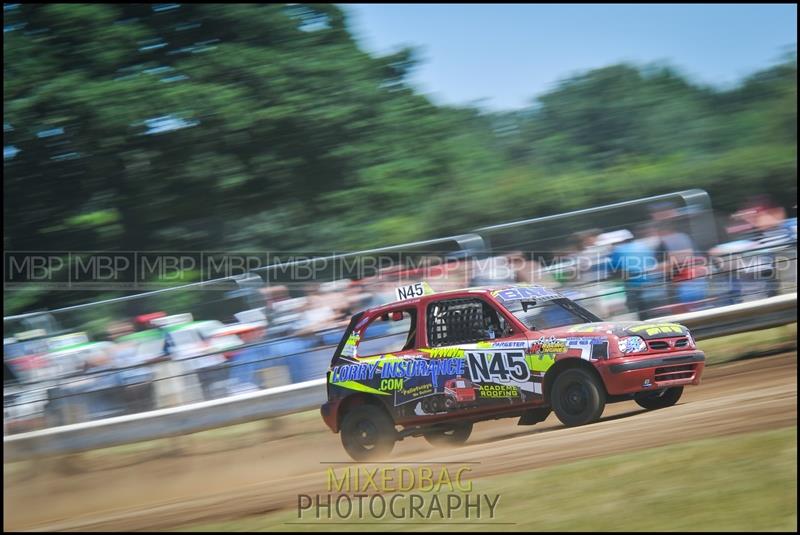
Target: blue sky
x=504 y=55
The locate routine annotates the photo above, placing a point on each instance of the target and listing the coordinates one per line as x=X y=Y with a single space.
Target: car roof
x=479 y=290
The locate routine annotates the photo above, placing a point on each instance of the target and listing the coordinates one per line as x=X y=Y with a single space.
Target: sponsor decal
x=349 y=349
x=499 y=391
x=653 y=329
x=355 y=385
x=584 y=341
x=413 y=393
x=398 y=369
x=548 y=345
x=391 y=384
x=412 y=290
x=501 y=345
x=443 y=352
x=422 y=367
x=497 y=366
x=585 y=345
x=353 y=372
x=519 y=293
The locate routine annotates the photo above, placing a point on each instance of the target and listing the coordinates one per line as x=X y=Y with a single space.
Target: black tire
x=367 y=433
x=455 y=436
x=659 y=399
x=577 y=397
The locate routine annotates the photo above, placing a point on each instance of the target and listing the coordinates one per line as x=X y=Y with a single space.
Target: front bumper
x=651 y=372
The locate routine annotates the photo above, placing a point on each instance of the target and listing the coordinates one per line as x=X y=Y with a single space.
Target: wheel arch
x=567 y=364
x=356 y=399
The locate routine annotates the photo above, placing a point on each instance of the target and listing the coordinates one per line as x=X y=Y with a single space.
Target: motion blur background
x=278 y=132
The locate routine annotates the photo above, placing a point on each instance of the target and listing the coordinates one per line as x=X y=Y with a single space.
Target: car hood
x=646 y=329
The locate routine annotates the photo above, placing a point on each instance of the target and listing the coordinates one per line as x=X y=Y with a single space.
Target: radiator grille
x=668 y=344
x=673 y=373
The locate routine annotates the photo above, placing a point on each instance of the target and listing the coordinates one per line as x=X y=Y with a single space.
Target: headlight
x=632 y=344
x=691 y=340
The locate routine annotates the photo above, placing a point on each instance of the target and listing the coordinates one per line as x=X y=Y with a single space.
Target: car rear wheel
x=577 y=397
x=367 y=433
x=659 y=399
x=456 y=435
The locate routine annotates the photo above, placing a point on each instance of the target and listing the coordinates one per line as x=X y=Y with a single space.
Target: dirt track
x=169 y=491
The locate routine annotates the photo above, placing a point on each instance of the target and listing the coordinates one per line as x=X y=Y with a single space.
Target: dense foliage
x=221 y=127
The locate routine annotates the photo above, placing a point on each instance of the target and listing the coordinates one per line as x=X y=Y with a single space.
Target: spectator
x=245 y=363
x=634 y=260
x=675 y=248
x=679 y=264
x=762 y=226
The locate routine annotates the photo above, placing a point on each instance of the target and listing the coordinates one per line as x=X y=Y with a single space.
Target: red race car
x=446 y=360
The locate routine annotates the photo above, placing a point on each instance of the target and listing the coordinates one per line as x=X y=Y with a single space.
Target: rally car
x=522 y=351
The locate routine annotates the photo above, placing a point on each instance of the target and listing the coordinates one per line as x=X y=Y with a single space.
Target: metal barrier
x=733 y=319
x=696 y=202
x=164 y=423
x=310 y=395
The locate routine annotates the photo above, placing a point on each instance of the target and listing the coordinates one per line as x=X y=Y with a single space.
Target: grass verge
x=738 y=483
x=750 y=344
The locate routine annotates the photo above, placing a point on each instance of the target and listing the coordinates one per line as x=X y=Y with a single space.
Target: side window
x=390 y=333
x=463 y=321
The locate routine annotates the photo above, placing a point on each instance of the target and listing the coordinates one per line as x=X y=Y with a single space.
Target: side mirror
x=397 y=316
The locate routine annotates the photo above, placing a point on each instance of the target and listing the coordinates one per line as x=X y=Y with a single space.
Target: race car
x=523 y=350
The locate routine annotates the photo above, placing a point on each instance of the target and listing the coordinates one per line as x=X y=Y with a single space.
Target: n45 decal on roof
x=413 y=290
x=497 y=366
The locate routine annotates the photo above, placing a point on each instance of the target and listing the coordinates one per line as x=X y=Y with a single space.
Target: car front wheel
x=577 y=397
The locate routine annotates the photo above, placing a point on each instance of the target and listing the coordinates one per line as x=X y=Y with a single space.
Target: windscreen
x=548 y=314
